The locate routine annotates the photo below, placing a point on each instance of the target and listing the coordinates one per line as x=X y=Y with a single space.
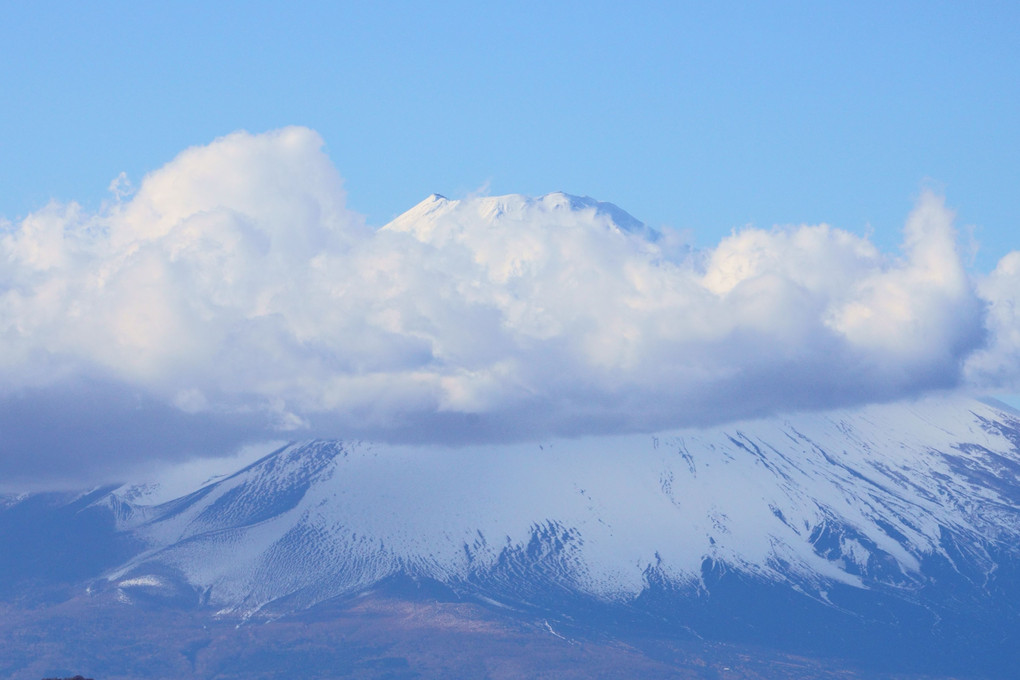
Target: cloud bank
x=235 y=297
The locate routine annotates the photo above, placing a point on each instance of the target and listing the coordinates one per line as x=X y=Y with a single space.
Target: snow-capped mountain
x=890 y=527
x=861 y=498
x=904 y=514
x=430 y=219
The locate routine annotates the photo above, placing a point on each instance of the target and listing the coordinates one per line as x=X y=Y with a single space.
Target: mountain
x=887 y=536
x=431 y=220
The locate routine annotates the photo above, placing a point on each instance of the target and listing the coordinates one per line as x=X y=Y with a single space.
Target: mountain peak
x=423 y=219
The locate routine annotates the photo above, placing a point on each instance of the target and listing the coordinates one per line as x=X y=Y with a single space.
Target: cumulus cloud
x=997 y=366
x=235 y=295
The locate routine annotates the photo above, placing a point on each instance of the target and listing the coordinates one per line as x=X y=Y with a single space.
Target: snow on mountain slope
x=863 y=498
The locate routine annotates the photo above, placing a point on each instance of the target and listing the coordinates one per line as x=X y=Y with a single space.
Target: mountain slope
x=903 y=518
x=854 y=497
x=889 y=534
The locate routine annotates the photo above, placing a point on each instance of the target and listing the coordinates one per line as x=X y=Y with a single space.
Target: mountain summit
x=439 y=212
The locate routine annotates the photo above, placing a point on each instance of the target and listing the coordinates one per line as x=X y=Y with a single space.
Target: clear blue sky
x=701 y=116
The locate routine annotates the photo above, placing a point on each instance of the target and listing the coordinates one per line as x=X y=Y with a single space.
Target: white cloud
x=997 y=367
x=235 y=284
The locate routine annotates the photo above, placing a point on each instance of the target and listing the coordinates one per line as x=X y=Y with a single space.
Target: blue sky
x=700 y=116
x=236 y=294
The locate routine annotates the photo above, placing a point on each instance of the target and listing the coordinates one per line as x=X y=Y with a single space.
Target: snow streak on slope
x=856 y=497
